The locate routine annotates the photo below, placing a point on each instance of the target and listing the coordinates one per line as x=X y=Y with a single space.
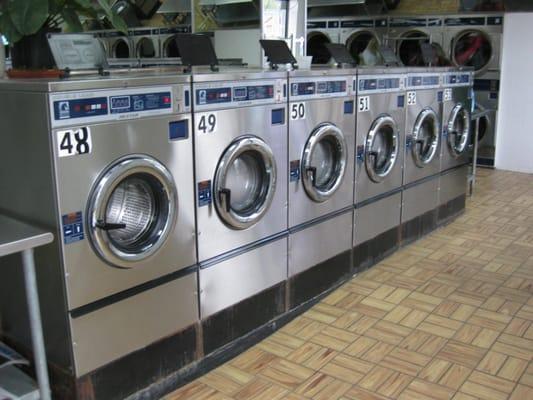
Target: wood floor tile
x=513 y=369
x=419 y=389
x=492 y=362
x=455 y=376
x=461 y=353
x=522 y=392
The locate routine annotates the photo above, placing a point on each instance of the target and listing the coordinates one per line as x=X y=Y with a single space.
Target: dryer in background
x=321 y=179
x=241 y=187
x=320 y=32
x=474 y=41
x=357 y=34
x=422 y=152
x=405 y=35
x=145 y=42
x=167 y=41
x=379 y=164
x=455 y=144
x=118 y=45
x=115 y=190
x=486 y=94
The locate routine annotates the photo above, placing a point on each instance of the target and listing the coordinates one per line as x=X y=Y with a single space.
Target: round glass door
x=358 y=42
x=316 y=47
x=245 y=182
x=131 y=210
x=324 y=162
x=472 y=48
x=145 y=48
x=381 y=148
x=121 y=49
x=458 y=130
x=409 y=49
x=425 y=137
x=170 y=48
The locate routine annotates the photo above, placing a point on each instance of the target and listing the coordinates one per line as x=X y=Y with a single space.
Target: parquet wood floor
x=448 y=317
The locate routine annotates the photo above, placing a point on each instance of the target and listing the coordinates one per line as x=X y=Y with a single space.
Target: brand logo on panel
x=64 y=109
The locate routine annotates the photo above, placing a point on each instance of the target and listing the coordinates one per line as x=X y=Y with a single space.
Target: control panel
x=423 y=81
x=73 y=108
x=458 y=79
x=380 y=84
x=208 y=96
x=308 y=88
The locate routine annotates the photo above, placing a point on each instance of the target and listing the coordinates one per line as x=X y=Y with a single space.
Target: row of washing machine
x=190 y=210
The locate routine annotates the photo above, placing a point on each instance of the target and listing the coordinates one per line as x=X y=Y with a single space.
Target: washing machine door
x=324 y=162
x=358 y=42
x=472 y=48
x=245 y=182
x=426 y=134
x=458 y=130
x=409 y=49
x=131 y=210
x=381 y=148
x=316 y=47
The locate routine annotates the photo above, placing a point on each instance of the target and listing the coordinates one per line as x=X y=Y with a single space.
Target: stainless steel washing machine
x=406 y=34
x=424 y=97
x=321 y=178
x=321 y=31
x=474 y=41
x=112 y=165
x=357 y=34
x=241 y=185
x=456 y=115
x=145 y=42
x=379 y=163
x=487 y=93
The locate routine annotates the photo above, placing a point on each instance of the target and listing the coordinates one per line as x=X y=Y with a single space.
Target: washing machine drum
x=324 y=162
x=358 y=42
x=131 y=210
x=458 y=130
x=121 y=49
x=170 y=47
x=316 y=47
x=426 y=134
x=245 y=182
x=472 y=48
x=409 y=49
x=145 y=48
x=381 y=148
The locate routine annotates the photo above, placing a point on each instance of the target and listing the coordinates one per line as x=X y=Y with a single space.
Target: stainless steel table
x=18 y=237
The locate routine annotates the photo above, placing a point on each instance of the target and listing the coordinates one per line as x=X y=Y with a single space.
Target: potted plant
x=25 y=23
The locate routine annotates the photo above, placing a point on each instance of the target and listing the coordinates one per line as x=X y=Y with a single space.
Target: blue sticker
x=440 y=96
x=408 y=141
x=348 y=107
x=73 y=227
x=360 y=153
x=493 y=95
x=401 y=101
x=204 y=193
x=178 y=129
x=278 y=116
x=295 y=171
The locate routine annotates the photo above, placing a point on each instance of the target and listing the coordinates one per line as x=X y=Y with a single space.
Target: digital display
x=368 y=84
x=213 y=96
x=331 y=87
x=240 y=93
x=392 y=83
x=424 y=80
x=303 y=89
x=120 y=102
x=140 y=102
x=260 y=92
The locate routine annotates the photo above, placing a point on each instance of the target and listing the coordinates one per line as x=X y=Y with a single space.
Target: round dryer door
x=472 y=48
x=245 y=182
x=324 y=162
x=121 y=49
x=358 y=42
x=426 y=134
x=485 y=125
x=170 y=48
x=381 y=148
x=131 y=210
x=458 y=130
x=145 y=48
x=409 y=50
x=316 y=47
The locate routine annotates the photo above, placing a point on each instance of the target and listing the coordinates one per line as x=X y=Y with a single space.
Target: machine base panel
x=369 y=253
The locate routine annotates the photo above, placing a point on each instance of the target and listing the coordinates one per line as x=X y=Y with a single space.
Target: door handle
x=105 y=226
x=225 y=199
x=312 y=171
x=374 y=157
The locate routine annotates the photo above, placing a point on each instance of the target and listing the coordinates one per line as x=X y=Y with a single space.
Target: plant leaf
x=83 y=3
x=28 y=16
x=8 y=29
x=72 y=20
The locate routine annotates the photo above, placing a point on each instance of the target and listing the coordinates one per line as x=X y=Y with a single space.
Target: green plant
x=19 y=18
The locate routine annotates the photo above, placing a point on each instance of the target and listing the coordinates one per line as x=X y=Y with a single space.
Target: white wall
x=514 y=142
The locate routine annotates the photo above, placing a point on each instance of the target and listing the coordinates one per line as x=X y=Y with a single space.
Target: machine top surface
x=322 y=71
x=204 y=74
x=132 y=78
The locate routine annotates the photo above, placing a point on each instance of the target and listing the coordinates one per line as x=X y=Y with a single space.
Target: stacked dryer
x=321 y=31
x=379 y=164
x=321 y=162
x=358 y=33
x=456 y=130
x=422 y=152
x=240 y=119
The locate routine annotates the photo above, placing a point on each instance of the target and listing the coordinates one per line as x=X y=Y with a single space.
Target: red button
x=166 y=100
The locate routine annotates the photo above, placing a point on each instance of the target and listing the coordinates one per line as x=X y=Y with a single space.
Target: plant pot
x=33 y=52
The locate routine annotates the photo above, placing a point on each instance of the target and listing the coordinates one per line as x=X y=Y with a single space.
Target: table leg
x=32 y=296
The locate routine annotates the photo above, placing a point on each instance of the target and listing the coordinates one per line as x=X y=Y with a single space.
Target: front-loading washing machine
x=423 y=99
x=240 y=133
x=145 y=42
x=455 y=143
x=112 y=162
x=406 y=34
x=357 y=34
x=379 y=163
x=321 y=179
x=474 y=41
x=321 y=31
